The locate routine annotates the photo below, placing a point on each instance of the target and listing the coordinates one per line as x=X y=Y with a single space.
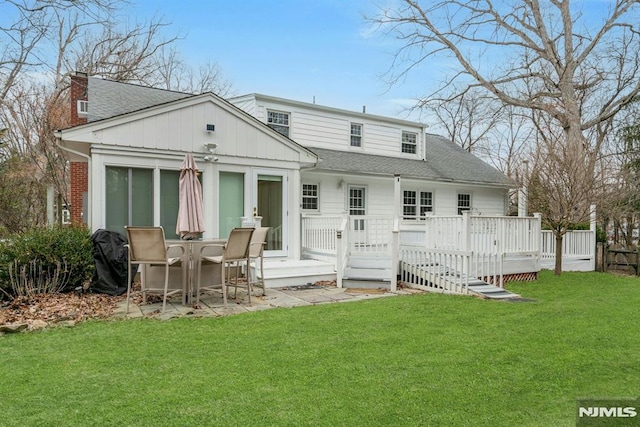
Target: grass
x=409 y=360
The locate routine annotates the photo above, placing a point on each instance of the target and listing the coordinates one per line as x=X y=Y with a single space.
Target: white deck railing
x=500 y=234
x=319 y=233
x=370 y=234
x=511 y=237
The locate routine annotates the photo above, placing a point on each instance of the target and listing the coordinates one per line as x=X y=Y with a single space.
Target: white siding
x=379 y=193
x=184 y=130
x=321 y=127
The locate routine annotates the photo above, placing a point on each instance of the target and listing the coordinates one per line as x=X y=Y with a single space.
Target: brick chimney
x=79 y=179
x=79 y=92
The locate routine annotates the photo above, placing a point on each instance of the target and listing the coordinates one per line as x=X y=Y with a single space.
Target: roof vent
x=83 y=108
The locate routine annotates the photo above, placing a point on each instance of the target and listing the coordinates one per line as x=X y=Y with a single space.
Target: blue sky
x=294 y=49
x=301 y=49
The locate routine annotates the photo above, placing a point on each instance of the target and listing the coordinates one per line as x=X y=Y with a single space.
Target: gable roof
x=445 y=162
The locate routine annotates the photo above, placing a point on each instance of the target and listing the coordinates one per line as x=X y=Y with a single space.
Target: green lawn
x=408 y=360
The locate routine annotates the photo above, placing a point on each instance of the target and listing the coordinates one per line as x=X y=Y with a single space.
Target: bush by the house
x=44 y=260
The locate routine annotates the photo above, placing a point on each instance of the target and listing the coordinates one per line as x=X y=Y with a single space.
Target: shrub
x=62 y=254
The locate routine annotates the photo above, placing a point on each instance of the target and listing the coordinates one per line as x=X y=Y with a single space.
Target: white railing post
x=538 y=224
x=466 y=231
x=339 y=267
x=342 y=249
x=395 y=250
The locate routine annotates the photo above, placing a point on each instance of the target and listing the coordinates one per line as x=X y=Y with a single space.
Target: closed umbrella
x=190 y=211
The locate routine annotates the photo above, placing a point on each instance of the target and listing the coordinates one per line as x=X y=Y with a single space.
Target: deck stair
x=436 y=277
x=487 y=290
x=368 y=271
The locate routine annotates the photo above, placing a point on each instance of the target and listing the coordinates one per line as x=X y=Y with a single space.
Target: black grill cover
x=110 y=259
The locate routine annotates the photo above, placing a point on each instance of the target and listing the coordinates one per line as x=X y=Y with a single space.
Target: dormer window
x=409 y=142
x=279 y=122
x=356 y=135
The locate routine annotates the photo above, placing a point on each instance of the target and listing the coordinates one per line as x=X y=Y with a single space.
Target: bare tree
x=544 y=58
x=175 y=74
x=42 y=45
x=467 y=119
x=623 y=199
x=26 y=37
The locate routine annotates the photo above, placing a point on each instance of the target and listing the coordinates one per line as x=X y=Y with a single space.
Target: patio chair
x=147 y=246
x=256 y=252
x=235 y=254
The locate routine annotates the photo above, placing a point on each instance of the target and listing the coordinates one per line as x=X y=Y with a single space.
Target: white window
x=426 y=203
x=409 y=205
x=83 y=108
x=464 y=203
x=409 y=142
x=416 y=203
x=278 y=121
x=356 y=135
x=310 y=197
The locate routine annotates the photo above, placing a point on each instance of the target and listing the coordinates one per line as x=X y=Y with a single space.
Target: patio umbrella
x=190 y=211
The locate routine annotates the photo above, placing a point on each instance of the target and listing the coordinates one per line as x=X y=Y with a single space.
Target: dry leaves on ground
x=53 y=308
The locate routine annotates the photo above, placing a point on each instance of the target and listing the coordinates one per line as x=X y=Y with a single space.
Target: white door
x=357 y=208
x=270 y=202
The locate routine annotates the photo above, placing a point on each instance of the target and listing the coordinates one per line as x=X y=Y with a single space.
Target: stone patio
x=212 y=305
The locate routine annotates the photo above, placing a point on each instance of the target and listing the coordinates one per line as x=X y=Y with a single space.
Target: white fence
x=578 y=250
x=577 y=244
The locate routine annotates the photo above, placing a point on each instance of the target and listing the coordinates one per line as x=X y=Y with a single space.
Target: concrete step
x=366 y=284
x=367 y=273
x=287 y=272
x=369 y=261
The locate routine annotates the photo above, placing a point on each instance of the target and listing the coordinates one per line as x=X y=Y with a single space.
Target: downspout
x=88 y=158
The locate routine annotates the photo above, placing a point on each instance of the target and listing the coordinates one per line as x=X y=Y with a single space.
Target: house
x=291 y=163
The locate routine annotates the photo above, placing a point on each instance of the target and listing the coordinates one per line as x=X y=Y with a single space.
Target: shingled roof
x=109 y=98
x=445 y=162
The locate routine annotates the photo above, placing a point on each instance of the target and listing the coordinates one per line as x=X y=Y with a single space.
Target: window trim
x=352 y=135
x=417 y=205
x=275 y=125
x=317 y=197
x=462 y=208
x=404 y=143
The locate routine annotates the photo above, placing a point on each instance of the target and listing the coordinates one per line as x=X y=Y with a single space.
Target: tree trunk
x=558 y=267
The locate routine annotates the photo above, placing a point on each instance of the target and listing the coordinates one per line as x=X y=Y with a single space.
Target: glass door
x=270 y=202
x=231 y=202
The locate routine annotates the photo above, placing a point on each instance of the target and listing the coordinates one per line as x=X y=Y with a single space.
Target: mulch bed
x=44 y=310
x=55 y=308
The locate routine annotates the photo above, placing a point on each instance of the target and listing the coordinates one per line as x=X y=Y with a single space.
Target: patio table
x=186 y=277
